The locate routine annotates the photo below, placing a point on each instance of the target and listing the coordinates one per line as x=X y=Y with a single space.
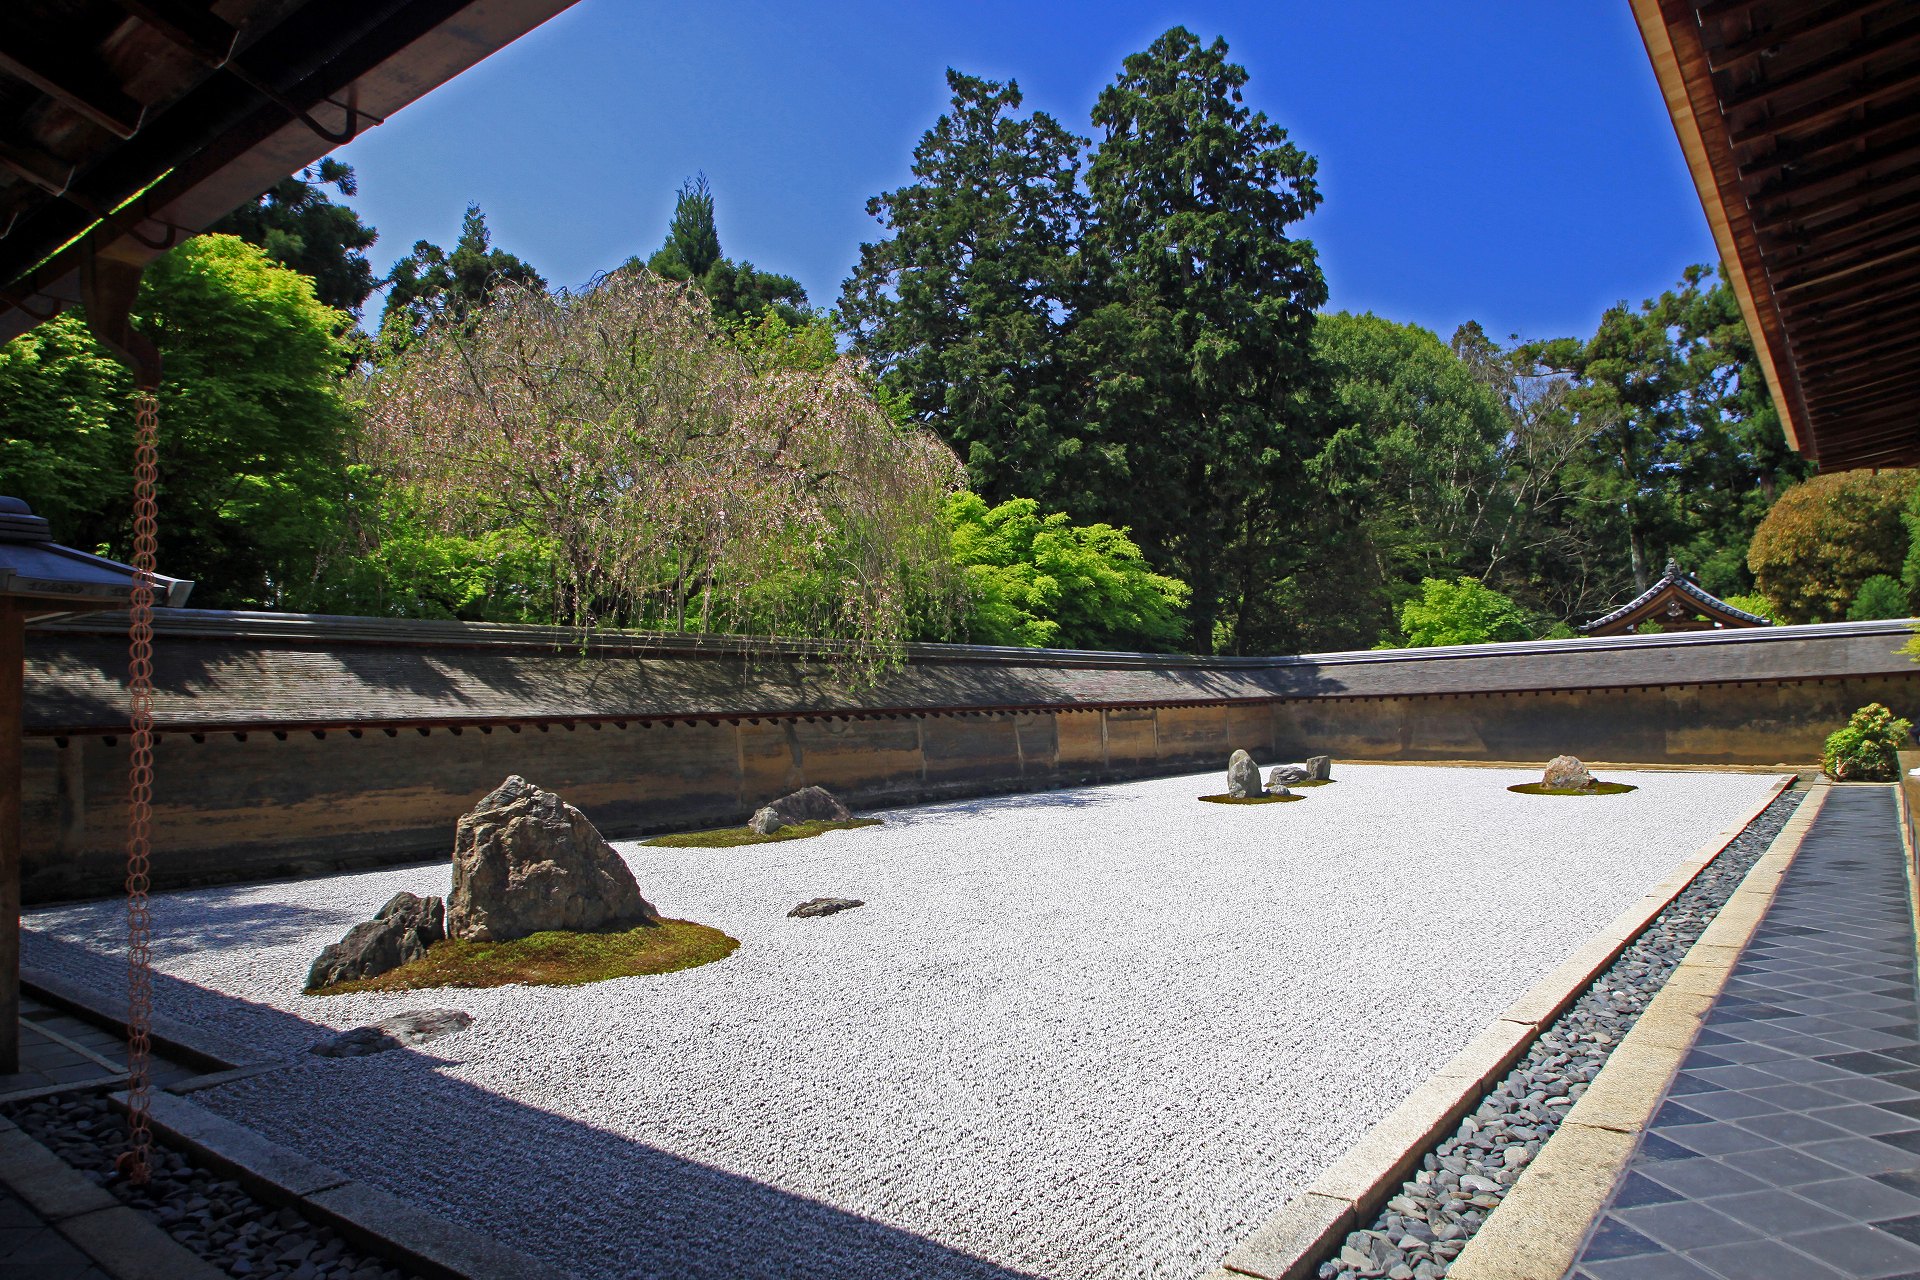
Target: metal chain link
x=133 y=1163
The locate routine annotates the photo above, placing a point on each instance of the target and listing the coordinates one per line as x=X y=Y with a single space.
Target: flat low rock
x=809 y=804
x=525 y=861
x=824 y=906
x=401 y=931
x=401 y=1031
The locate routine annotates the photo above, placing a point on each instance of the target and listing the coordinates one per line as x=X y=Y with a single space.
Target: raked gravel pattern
x=1101 y=1032
x=1425 y=1226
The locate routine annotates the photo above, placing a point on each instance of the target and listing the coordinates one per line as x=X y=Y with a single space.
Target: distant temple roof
x=1678 y=603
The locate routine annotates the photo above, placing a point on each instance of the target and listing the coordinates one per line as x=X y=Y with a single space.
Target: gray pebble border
x=213 y=1216
x=1459 y=1183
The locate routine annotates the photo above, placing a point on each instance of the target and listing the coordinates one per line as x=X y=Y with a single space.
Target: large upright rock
x=524 y=861
x=402 y=931
x=1566 y=773
x=808 y=804
x=1243 y=777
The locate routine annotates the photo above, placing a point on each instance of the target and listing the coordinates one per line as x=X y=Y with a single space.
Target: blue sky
x=1505 y=162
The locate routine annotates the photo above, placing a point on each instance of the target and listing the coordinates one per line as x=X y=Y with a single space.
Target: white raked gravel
x=1091 y=1033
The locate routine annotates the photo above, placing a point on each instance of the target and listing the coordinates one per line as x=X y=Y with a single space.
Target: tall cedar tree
x=301 y=227
x=1685 y=451
x=964 y=308
x=738 y=292
x=1198 y=344
x=431 y=283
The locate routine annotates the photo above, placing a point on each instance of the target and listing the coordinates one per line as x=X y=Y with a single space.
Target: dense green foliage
x=1865 y=750
x=1880 y=596
x=1461 y=612
x=253 y=426
x=738 y=292
x=1131 y=349
x=1826 y=537
x=300 y=226
x=432 y=284
x=1038 y=579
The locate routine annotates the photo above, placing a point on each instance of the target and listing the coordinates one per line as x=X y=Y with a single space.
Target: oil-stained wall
x=293 y=804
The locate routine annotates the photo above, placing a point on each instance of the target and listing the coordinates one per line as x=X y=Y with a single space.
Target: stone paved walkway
x=1788 y=1146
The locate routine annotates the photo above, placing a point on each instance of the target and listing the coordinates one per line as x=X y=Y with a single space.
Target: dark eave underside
x=1801 y=123
x=128 y=125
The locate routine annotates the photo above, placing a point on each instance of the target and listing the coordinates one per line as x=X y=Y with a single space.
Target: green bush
x=1826 y=537
x=1461 y=612
x=1752 y=602
x=1864 y=750
x=1880 y=596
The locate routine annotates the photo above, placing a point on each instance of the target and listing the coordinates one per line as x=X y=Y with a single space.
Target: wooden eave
x=128 y=125
x=1800 y=123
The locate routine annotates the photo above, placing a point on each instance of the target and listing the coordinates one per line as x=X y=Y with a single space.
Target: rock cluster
x=824 y=906
x=212 y=1216
x=1312 y=769
x=401 y=931
x=1566 y=773
x=1243 y=777
x=809 y=804
x=1464 y=1179
x=526 y=861
x=401 y=1031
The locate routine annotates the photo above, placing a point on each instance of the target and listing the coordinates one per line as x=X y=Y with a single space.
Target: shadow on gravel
x=584 y=1199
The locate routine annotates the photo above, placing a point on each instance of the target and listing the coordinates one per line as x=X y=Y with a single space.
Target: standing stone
x=809 y=804
x=1320 y=768
x=1243 y=777
x=525 y=861
x=400 y=932
x=1566 y=773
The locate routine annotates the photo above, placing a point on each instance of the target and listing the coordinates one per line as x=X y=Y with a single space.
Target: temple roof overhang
x=1678 y=603
x=128 y=125
x=1800 y=122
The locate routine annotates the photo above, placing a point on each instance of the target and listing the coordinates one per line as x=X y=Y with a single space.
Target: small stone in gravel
x=401 y=1031
x=824 y=906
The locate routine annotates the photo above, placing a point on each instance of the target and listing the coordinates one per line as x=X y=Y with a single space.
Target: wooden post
x=13 y=660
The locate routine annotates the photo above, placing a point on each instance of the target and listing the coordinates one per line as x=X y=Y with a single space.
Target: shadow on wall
x=584 y=1199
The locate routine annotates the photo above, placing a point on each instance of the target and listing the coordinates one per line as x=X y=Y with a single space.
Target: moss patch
x=728 y=837
x=553 y=959
x=1268 y=799
x=1312 y=782
x=1598 y=789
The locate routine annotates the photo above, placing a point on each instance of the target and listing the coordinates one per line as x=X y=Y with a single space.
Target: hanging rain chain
x=133 y=1163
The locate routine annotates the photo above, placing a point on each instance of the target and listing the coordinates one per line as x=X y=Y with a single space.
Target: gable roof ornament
x=1677 y=602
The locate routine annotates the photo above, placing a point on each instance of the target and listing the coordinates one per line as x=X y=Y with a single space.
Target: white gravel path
x=1091 y=1033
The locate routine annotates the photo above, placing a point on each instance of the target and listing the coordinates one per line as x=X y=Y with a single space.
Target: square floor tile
x=1703 y=1177
x=1795 y=1129
x=1686 y=1225
x=1754 y=1259
x=1776 y=1212
x=1730 y=1104
x=1788 y=1167
x=1656 y=1266
x=1719 y=1138
x=1872 y=1121
x=1636 y=1190
x=1614 y=1239
x=1861 y=1250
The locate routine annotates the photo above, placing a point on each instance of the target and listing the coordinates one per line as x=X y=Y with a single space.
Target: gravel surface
x=211 y=1215
x=1430 y=1221
x=1091 y=1033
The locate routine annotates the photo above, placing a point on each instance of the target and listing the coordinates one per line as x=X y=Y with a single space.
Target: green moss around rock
x=1269 y=799
x=553 y=959
x=729 y=837
x=1312 y=782
x=1598 y=789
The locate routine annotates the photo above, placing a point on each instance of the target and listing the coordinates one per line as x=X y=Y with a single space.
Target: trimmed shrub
x=1864 y=750
x=1880 y=596
x=1826 y=537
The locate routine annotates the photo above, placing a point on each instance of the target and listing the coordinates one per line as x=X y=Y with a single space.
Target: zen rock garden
x=1244 y=785
x=525 y=863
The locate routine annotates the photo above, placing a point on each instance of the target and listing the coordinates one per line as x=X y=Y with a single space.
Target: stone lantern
x=39 y=578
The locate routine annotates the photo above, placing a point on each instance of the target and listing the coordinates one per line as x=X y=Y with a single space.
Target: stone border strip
x=121 y=1240
x=1538 y=1228
x=175 y=1039
x=373 y=1220
x=1289 y=1245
